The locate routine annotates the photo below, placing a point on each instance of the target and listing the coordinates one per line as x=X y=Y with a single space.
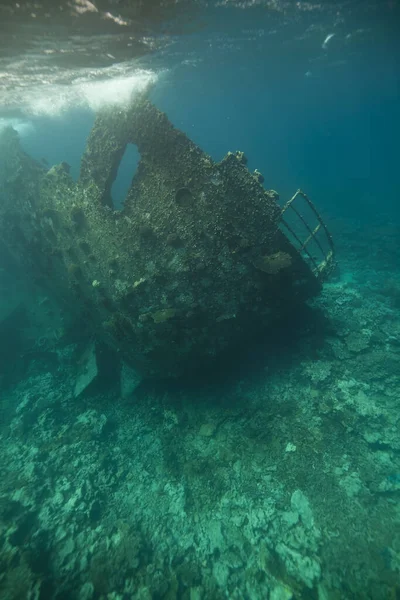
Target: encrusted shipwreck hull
x=194 y=264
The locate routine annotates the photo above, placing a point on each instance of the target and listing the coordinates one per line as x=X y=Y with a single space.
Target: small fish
x=44 y=161
x=327 y=40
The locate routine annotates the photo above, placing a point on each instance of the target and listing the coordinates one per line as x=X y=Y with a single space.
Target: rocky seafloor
x=279 y=480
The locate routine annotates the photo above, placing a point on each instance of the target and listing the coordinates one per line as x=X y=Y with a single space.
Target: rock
x=86 y=591
x=130 y=379
x=207 y=429
x=87 y=371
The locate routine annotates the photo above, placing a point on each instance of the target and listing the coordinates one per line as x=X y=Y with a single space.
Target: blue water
x=333 y=134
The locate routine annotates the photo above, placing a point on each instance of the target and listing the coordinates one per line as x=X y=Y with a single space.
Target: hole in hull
x=126 y=172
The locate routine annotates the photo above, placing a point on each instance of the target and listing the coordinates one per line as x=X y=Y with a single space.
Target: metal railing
x=322 y=265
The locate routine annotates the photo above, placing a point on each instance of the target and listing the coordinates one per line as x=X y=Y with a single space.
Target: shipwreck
x=200 y=258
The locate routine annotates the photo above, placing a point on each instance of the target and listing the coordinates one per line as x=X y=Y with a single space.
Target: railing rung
x=327 y=257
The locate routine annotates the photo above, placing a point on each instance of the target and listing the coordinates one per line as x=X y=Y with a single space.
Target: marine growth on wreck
x=196 y=262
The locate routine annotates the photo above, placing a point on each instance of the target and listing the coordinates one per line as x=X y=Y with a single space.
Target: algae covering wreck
x=195 y=263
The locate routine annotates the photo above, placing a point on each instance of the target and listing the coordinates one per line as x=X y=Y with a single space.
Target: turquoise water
x=254 y=453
